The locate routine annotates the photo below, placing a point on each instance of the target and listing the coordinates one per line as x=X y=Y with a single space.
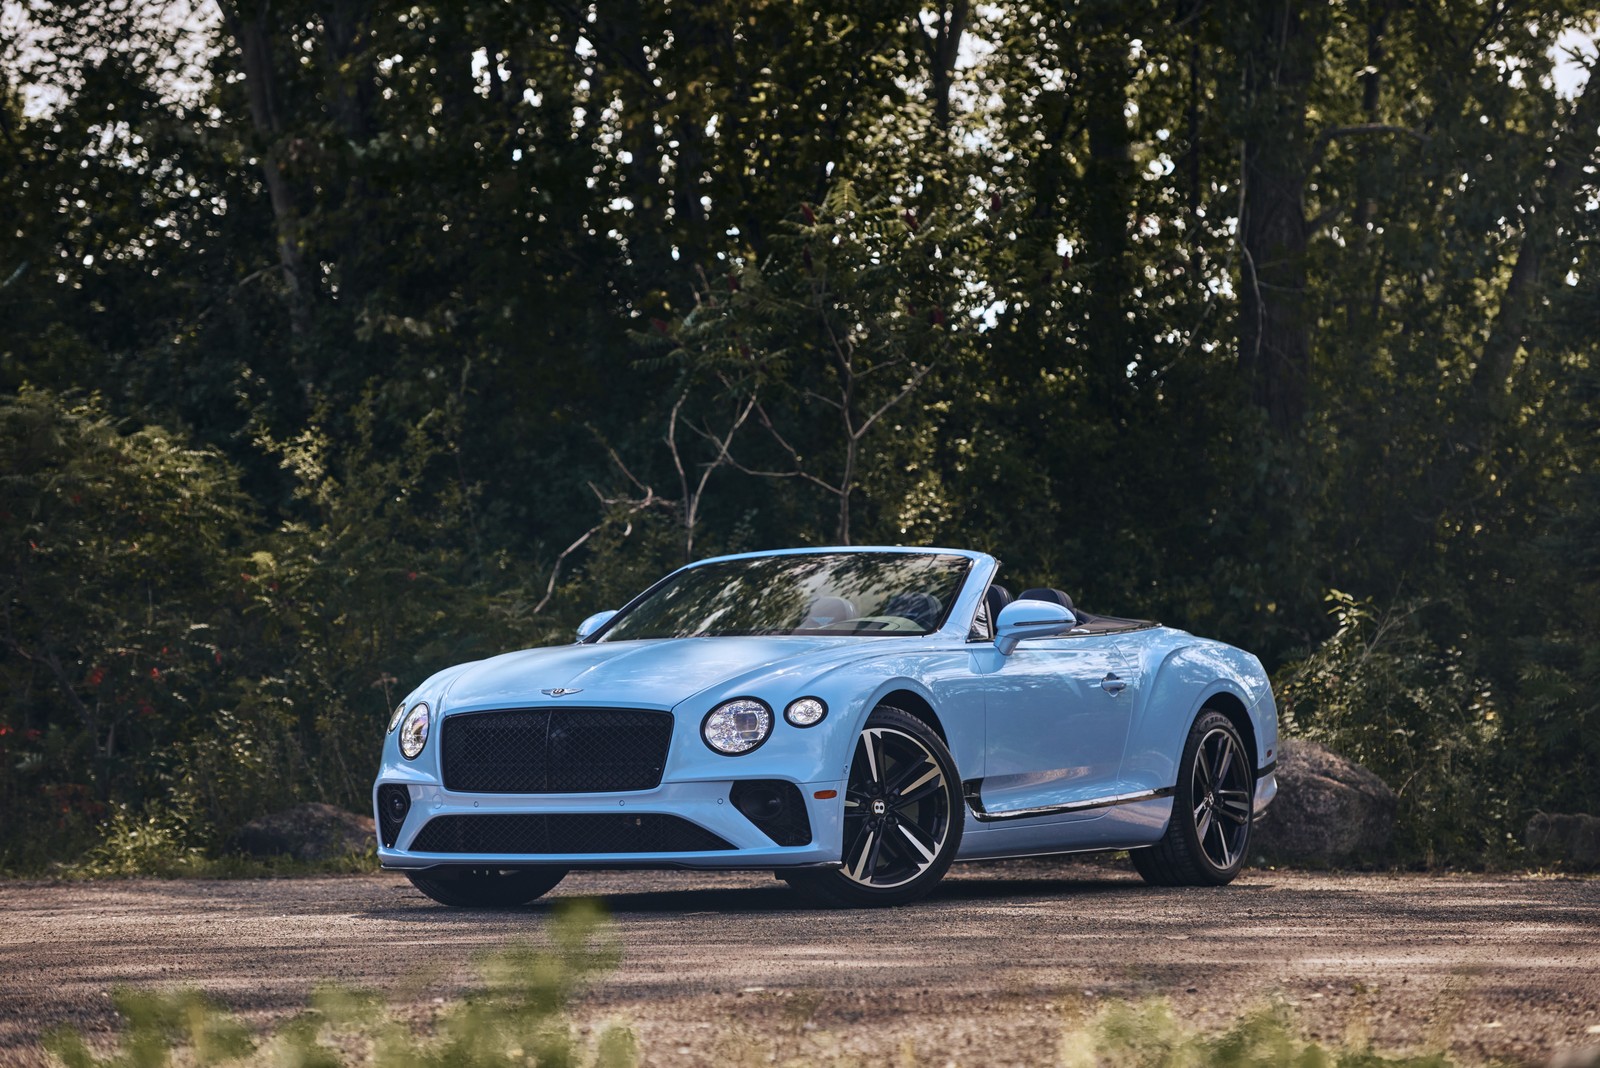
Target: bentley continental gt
x=853 y=719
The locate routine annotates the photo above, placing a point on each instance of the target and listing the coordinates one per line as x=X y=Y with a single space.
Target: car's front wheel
x=1209 y=831
x=486 y=888
x=902 y=817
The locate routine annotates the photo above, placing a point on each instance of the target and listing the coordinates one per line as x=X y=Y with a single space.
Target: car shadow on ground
x=777 y=898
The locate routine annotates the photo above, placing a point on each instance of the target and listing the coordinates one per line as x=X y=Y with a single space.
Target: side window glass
x=982 y=629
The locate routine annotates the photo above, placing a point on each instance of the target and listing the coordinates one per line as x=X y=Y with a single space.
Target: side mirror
x=1030 y=619
x=594 y=623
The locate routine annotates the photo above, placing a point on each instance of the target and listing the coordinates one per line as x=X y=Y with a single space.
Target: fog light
x=394 y=803
x=806 y=711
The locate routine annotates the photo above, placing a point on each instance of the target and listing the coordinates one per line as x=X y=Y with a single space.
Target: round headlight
x=806 y=711
x=414 y=732
x=394 y=720
x=737 y=726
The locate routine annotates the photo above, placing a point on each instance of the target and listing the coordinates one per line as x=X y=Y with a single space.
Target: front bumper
x=705 y=804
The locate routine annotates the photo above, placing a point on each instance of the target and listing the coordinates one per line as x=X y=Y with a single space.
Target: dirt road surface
x=984 y=973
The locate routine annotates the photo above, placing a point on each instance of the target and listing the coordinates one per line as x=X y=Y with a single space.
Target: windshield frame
x=969 y=562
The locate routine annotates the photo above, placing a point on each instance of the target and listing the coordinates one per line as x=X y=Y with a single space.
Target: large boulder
x=311 y=832
x=1329 y=811
x=1571 y=838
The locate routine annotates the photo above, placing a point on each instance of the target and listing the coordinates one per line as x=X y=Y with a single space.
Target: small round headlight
x=806 y=711
x=414 y=733
x=394 y=720
x=737 y=726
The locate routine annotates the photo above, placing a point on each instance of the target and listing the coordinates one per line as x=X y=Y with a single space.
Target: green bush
x=177 y=665
x=1382 y=692
x=115 y=543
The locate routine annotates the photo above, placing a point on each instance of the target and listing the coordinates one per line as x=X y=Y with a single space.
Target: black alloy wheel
x=1209 y=832
x=486 y=888
x=902 y=817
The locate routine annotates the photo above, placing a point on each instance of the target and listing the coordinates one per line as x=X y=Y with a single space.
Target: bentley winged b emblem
x=561 y=691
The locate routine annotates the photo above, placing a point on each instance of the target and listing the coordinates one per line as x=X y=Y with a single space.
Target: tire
x=486 y=888
x=1208 y=836
x=903 y=817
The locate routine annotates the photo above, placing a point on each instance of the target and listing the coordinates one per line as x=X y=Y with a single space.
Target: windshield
x=803 y=593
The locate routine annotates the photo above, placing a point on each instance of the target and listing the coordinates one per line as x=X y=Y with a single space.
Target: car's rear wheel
x=486 y=888
x=1209 y=831
x=902 y=817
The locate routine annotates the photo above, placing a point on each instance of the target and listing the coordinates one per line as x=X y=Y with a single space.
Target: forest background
x=341 y=340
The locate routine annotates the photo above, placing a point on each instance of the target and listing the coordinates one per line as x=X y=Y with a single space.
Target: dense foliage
x=339 y=341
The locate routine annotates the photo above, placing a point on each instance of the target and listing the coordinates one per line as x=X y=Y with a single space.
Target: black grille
x=555 y=750
x=394 y=801
x=776 y=807
x=533 y=834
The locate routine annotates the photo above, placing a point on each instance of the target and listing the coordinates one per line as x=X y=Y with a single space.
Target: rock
x=310 y=832
x=1329 y=811
x=1573 y=838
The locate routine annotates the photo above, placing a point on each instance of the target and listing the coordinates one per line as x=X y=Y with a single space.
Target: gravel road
x=983 y=973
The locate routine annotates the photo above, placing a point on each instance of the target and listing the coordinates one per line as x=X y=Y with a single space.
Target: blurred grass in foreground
x=518 y=1018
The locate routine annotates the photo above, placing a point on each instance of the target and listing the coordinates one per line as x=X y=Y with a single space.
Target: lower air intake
x=394 y=802
x=776 y=807
x=535 y=834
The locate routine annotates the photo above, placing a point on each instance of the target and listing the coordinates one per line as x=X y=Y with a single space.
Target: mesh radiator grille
x=555 y=750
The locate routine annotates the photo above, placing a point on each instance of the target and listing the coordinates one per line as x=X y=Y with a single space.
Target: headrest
x=995 y=598
x=1043 y=594
x=828 y=610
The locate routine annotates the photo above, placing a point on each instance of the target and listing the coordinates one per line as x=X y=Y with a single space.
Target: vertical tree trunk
x=1573 y=150
x=1274 y=327
x=1112 y=339
x=943 y=45
x=255 y=52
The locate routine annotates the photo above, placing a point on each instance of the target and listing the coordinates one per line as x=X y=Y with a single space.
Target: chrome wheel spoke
x=914 y=775
x=1224 y=762
x=926 y=849
x=859 y=868
x=1234 y=805
x=1236 y=816
x=874 y=758
x=922 y=794
x=1203 y=821
x=1222 y=843
x=874 y=853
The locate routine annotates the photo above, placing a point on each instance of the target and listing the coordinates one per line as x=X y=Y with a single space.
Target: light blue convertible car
x=852 y=719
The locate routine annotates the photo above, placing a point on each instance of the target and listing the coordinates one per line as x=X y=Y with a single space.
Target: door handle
x=1113 y=685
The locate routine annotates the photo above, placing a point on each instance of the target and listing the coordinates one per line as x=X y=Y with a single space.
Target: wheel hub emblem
x=878 y=807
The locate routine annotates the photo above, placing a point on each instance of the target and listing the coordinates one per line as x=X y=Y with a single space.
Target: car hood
x=648 y=674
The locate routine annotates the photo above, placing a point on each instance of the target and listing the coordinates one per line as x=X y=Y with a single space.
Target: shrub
x=1381 y=692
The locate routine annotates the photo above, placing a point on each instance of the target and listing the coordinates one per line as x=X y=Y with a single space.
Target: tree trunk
x=943 y=46
x=255 y=51
x=1573 y=150
x=1112 y=339
x=1274 y=327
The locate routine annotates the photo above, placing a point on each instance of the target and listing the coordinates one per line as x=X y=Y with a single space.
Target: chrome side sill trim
x=972 y=788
